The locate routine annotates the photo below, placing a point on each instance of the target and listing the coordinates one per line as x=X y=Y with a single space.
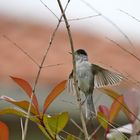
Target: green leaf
x=102 y=120
x=71 y=137
x=12 y=111
x=54 y=93
x=18 y=113
x=56 y=123
x=22 y=104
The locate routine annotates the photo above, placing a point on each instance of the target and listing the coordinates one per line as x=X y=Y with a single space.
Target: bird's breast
x=84 y=75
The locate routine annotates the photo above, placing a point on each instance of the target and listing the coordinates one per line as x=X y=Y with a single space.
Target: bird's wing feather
x=70 y=84
x=105 y=77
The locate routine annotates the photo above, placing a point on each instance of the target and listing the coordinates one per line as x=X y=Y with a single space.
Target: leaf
x=22 y=104
x=71 y=137
x=103 y=109
x=4 y=131
x=18 y=113
x=115 y=108
x=102 y=120
x=27 y=88
x=115 y=95
x=54 y=93
x=56 y=123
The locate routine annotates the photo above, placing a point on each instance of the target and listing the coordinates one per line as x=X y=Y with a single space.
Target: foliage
x=51 y=126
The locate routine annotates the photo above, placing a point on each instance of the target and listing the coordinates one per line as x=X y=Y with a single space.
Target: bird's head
x=81 y=55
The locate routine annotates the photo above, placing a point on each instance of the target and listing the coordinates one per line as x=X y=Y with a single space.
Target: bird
x=90 y=76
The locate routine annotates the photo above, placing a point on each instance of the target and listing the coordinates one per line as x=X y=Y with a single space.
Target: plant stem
x=74 y=70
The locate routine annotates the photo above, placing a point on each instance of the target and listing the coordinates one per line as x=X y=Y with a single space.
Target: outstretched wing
x=105 y=77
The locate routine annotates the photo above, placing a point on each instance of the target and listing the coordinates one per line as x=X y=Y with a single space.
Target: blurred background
x=108 y=30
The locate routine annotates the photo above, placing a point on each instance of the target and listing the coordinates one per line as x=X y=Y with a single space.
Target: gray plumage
x=90 y=76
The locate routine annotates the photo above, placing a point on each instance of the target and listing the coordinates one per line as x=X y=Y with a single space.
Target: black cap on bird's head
x=81 y=52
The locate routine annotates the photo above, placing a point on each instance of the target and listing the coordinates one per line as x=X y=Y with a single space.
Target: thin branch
x=70 y=134
x=129 y=15
x=39 y=72
x=49 y=9
x=122 y=48
x=22 y=129
x=77 y=125
x=74 y=69
x=83 y=18
x=22 y=50
x=96 y=130
x=53 y=65
x=110 y=21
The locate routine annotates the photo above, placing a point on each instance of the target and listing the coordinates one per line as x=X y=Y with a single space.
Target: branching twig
x=74 y=70
x=110 y=21
x=49 y=9
x=122 y=48
x=39 y=72
x=96 y=130
x=83 y=18
x=77 y=125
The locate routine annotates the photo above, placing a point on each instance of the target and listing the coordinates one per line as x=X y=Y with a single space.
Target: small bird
x=90 y=76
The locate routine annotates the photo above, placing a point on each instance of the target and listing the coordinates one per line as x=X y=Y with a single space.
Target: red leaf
x=27 y=88
x=103 y=109
x=115 y=108
x=22 y=104
x=4 y=131
x=54 y=93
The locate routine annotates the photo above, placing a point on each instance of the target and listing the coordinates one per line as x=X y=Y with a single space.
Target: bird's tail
x=90 y=109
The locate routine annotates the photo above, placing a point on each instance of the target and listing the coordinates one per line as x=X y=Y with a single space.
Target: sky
x=34 y=10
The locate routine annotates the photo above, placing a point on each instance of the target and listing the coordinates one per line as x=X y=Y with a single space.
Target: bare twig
x=74 y=70
x=96 y=130
x=122 y=48
x=22 y=128
x=22 y=50
x=39 y=72
x=53 y=65
x=83 y=18
x=77 y=125
x=49 y=9
x=129 y=15
x=110 y=21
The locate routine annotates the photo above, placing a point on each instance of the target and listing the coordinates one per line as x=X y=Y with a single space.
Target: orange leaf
x=4 y=131
x=27 y=88
x=54 y=93
x=22 y=104
x=130 y=115
x=115 y=108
